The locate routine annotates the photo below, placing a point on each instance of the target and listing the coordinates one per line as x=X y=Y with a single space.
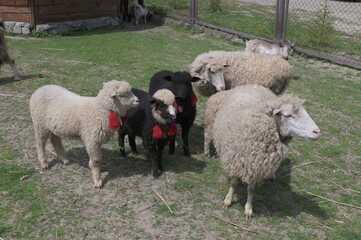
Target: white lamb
x=222 y=70
x=252 y=138
x=58 y=113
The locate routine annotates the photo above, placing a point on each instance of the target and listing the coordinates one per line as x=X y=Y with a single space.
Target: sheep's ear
x=303 y=101
x=195 y=79
x=113 y=94
x=153 y=101
x=168 y=78
x=199 y=71
x=177 y=99
x=276 y=111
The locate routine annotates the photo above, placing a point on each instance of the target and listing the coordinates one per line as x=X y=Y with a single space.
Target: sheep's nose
x=136 y=101
x=285 y=58
x=316 y=134
x=174 y=117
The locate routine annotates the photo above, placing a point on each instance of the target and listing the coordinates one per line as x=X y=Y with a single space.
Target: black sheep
x=180 y=84
x=153 y=121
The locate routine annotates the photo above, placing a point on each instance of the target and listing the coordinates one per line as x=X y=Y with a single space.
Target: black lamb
x=153 y=121
x=180 y=84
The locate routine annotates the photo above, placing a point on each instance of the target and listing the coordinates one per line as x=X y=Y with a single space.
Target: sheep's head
x=162 y=106
x=181 y=87
x=118 y=96
x=212 y=73
x=293 y=120
x=287 y=50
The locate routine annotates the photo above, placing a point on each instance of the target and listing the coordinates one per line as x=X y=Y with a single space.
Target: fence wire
x=323 y=28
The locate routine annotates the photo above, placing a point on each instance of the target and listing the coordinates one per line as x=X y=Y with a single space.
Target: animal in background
x=4 y=55
x=223 y=70
x=140 y=12
x=264 y=47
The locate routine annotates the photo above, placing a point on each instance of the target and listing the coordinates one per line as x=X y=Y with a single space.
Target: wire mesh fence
x=324 y=28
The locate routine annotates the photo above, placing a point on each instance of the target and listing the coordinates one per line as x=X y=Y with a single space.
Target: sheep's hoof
x=44 y=166
x=248 y=214
x=226 y=204
x=65 y=161
x=97 y=184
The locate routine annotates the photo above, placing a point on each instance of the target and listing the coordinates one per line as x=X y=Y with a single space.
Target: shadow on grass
x=123 y=27
x=276 y=199
x=9 y=80
x=117 y=166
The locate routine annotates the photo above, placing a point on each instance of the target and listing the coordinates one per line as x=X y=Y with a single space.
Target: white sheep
x=252 y=138
x=58 y=113
x=261 y=46
x=222 y=70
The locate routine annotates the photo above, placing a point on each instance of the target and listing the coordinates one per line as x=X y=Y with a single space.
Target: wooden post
x=32 y=14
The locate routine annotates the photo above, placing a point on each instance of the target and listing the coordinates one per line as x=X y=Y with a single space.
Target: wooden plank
x=40 y=19
x=22 y=2
x=69 y=9
x=12 y=9
x=15 y=17
x=8 y=2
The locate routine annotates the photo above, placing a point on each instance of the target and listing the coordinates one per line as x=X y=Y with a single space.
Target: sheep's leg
x=207 y=140
x=186 y=125
x=59 y=149
x=40 y=147
x=228 y=199
x=172 y=146
x=15 y=70
x=185 y=133
x=160 y=152
x=248 y=207
x=94 y=164
x=132 y=144
x=121 y=137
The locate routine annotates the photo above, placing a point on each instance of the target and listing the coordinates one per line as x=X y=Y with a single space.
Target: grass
x=61 y=204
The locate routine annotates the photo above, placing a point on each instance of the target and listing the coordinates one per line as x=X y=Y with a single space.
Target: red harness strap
x=113 y=120
x=194 y=99
x=158 y=133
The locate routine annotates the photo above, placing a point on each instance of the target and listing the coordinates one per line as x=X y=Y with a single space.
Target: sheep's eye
x=211 y=71
x=288 y=116
x=122 y=95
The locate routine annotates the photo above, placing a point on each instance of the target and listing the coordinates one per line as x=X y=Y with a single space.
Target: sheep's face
x=162 y=106
x=122 y=96
x=181 y=87
x=295 y=121
x=213 y=73
x=162 y=113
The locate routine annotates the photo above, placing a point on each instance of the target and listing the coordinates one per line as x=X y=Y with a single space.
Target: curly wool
x=65 y=114
x=246 y=136
x=271 y=72
x=216 y=101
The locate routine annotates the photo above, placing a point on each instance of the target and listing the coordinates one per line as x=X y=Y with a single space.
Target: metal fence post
x=281 y=21
x=192 y=12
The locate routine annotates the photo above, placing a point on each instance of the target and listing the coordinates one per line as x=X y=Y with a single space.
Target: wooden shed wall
x=66 y=10
x=15 y=10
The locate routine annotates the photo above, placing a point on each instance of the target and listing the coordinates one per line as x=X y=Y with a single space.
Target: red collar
x=113 y=120
x=194 y=101
x=158 y=133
